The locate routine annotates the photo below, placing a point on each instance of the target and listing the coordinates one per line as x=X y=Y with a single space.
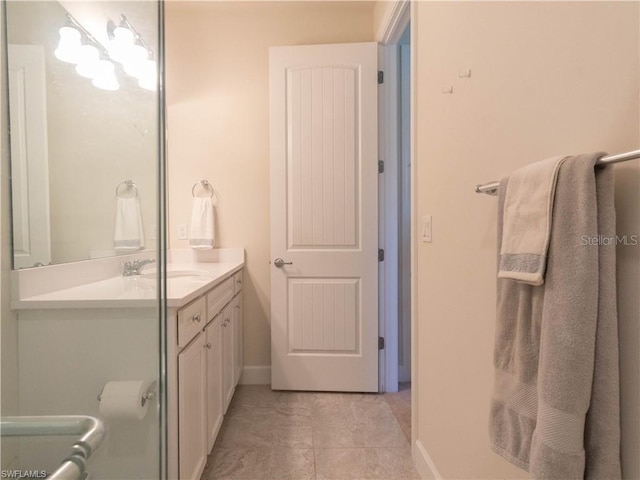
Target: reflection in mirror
x=76 y=136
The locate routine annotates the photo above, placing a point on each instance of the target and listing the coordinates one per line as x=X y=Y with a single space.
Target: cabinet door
x=228 y=367
x=237 y=335
x=214 y=381
x=191 y=407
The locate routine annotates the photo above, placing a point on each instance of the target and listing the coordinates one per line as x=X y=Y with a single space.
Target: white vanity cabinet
x=206 y=357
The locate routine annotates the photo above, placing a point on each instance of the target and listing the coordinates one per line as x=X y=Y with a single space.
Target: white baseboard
x=425 y=466
x=256 y=375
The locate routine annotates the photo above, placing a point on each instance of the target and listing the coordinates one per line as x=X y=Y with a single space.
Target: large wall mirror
x=84 y=135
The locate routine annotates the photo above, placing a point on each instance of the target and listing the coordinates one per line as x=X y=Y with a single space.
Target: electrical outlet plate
x=182 y=231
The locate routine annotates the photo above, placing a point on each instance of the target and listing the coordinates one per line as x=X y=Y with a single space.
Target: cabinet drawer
x=191 y=319
x=218 y=297
x=237 y=282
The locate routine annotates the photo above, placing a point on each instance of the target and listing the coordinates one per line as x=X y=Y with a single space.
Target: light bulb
x=69 y=45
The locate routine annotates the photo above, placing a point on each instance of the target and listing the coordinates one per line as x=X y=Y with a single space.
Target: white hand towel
x=129 y=234
x=528 y=209
x=202 y=227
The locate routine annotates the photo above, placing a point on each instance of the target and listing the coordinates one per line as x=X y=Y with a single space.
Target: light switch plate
x=425 y=228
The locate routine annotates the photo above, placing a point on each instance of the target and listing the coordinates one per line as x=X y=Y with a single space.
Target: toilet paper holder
x=150 y=394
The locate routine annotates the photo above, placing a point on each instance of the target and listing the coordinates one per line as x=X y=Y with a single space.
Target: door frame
x=398 y=14
x=397 y=17
x=29 y=160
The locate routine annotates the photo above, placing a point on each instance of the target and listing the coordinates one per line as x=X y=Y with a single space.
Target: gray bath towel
x=555 y=409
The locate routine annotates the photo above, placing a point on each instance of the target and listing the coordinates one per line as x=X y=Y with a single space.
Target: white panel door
x=29 y=156
x=324 y=217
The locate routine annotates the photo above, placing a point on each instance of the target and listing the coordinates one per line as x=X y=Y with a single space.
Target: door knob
x=278 y=262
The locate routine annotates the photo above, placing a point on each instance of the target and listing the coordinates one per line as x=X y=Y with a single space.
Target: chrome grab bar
x=91 y=429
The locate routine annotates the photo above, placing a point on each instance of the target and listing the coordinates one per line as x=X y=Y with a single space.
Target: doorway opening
x=395 y=196
x=404 y=211
x=396 y=232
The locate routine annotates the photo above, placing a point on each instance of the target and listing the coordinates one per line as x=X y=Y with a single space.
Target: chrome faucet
x=133 y=268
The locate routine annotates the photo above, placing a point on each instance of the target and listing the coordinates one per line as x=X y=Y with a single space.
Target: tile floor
x=400 y=404
x=304 y=436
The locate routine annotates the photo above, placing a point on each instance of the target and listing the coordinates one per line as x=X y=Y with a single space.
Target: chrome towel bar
x=492 y=187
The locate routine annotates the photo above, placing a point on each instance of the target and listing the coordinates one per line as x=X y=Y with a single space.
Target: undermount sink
x=175 y=274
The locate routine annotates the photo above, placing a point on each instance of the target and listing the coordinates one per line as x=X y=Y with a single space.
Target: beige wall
x=380 y=12
x=218 y=120
x=547 y=78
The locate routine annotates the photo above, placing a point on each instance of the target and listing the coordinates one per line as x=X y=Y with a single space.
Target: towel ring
x=206 y=185
x=128 y=184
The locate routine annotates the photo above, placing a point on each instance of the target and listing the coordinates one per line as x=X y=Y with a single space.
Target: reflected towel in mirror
x=202 y=228
x=129 y=234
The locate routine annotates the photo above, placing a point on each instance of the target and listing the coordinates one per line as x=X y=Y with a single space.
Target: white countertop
x=188 y=277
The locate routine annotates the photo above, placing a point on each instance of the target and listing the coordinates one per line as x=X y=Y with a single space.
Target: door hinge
x=380 y=343
x=380 y=166
x=380 y=77
x=381 y=254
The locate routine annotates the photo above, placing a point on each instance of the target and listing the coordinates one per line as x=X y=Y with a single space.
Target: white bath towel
x=527 y=214
x=202 y=227
x=128 y=232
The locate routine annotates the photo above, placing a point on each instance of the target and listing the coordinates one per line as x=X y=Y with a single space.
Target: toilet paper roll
x=123 y=400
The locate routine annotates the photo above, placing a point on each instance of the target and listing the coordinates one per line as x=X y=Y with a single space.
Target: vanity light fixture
x=87 y=56
x=128 y=48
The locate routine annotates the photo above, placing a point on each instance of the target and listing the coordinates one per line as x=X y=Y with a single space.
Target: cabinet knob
x=208 y=345
x=238 y=281
x=238 y=307
x=196 y=318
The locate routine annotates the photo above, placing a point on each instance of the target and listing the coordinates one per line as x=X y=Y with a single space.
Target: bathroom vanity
x=205 y=362
x=104 y=320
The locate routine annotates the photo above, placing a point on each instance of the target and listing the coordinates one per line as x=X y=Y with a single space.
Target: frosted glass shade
x=135 y=60
x=121 y=44
x=148 y=75
x=89 y=63
x=105 y=79
x=69 y=45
